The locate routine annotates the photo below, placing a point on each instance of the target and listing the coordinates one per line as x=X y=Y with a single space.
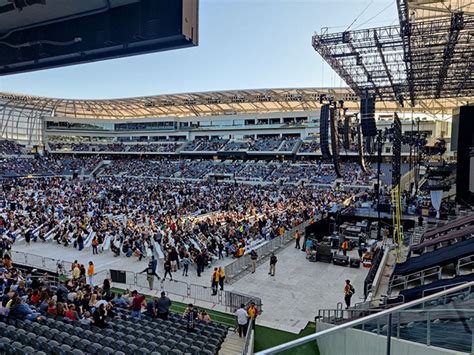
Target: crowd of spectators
x=205 y=145
x=262 y=144
x=135 y=216
x=10 y=148
x=236 y=146
x=310 y=147
x=288 y=144
x=265 y=144
x=48 y=165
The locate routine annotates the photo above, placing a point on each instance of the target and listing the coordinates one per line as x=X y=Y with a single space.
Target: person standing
x=190 y=315
x=174 y=258
x=252 y=313
x=273 y=261
x=253 y=260
x=420 y=221
x=221 y=277
x=137 y=302
x=242 y=320
x=215 y=281
x=154 y=263
x=76 y=272
x=297 y=240
x=150 y=275
x=163 y=305
x=220 y=246
x=80 y=241
x=348 y=292
x=168 y=269
x=90 y=273
x=345 y=247
x=185 y=261
x=200 y=261
x=95 y=244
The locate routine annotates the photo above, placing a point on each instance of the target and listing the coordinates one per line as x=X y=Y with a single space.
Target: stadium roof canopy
x=207 y=104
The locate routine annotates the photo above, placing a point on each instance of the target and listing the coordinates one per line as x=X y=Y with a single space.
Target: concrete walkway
x=290 y=299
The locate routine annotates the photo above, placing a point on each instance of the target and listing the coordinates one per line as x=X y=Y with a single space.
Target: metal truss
x=419 y=60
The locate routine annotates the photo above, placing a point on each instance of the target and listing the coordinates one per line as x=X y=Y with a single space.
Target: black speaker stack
x=334 y=140
x=396 y=151
x=462 y=141
x=346 y=142
x=367 y=115
x=324 y=131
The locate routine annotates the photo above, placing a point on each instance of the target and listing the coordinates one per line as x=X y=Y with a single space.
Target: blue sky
x=244 y=44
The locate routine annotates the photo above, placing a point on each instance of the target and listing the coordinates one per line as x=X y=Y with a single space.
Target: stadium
x=297 y=220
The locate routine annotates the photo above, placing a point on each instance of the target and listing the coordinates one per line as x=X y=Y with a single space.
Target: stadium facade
x=237 y=115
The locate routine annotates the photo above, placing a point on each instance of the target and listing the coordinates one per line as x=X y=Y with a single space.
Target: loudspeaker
x=367 y=116
x=463 y=142
x=340 y=260
x=324 y=131
x=334 y=141
x=354 y=263
x=397 y=151
x=346 y=132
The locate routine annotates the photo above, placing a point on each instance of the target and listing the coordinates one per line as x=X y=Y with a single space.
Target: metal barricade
x=203 y=293
x=18 y=257
x=178 y=288
x=241 y=265
x=36 y=261
x=141 y=280
x=51 y=264
x=233 y=300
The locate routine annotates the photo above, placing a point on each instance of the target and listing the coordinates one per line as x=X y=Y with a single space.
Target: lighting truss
x=421 y=60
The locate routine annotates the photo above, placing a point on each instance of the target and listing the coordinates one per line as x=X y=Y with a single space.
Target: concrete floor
x=299 y=289
x=290 y=299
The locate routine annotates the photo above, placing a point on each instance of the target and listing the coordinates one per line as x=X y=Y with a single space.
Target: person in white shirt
x=242 y=320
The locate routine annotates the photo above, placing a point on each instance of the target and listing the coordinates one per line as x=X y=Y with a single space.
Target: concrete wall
x=358 y=342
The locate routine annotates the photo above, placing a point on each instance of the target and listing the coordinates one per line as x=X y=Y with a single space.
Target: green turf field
x=267 y=337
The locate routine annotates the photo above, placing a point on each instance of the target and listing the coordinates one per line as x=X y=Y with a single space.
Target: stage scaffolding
x=406 y=63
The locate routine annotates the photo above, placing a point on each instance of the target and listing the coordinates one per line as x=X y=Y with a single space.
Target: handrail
x=312 y=337
x=405 y=279
x=249 y=338
x=460 y=264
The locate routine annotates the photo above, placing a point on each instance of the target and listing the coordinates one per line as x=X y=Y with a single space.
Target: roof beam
x=457 y=24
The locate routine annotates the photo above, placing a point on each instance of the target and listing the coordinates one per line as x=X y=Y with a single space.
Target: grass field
x=267 y=337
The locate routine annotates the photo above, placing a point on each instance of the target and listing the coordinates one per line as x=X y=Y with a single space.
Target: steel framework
x=414 y=61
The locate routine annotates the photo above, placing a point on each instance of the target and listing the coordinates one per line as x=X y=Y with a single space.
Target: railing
x=419 y=276
x=230 y=300
x=465 y=262
x=419 y=327
x=243 y=264
x=249 y=339
x=41 y=262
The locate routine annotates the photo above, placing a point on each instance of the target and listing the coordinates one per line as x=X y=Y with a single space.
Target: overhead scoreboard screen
x=40 y=34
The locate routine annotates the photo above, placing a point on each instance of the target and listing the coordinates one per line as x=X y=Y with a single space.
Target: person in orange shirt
x=90 y=272
x=215 y=281
x=252 y=312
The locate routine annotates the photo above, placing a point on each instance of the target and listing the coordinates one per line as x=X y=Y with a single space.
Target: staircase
x=233 y=345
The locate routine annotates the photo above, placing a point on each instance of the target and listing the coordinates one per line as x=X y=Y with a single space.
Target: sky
x=243 y=44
